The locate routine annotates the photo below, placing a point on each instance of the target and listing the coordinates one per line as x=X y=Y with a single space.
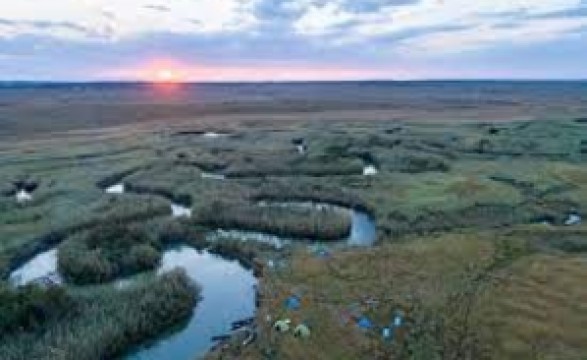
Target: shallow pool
x=41 y=267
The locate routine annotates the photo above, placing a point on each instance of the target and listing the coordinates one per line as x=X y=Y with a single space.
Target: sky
x=276 y=40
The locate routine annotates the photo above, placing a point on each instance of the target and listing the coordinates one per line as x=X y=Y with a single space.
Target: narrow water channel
x=363 y=227
x=228 y=295
x=227 y=291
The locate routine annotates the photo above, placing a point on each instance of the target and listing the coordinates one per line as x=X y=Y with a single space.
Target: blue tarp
x=364 y=323
x=292 y=303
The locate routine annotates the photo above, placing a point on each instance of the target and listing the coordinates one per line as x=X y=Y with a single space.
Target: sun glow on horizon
x=167 y=75
x=171 y=71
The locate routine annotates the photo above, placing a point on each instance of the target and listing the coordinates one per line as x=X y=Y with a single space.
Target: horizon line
x=191 y=82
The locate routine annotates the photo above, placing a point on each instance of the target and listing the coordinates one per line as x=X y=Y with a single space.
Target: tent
x=282 y=325
x=293 y=303
x=302 y=331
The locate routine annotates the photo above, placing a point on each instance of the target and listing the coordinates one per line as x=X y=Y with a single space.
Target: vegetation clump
x=289 y=222
x=115 y=178
x=30 y=308
x=179 y=198
x=101 y=324
x=418 y=164
x=107 y=252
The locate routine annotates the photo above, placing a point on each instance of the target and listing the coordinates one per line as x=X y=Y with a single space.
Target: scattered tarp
x=398 y=320
x=573 y=219
x=292 y=303
x=388 y=332
x=302 y=331
x=364 y=323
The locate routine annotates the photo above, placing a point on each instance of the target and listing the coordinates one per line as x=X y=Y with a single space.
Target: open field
x=480 y=244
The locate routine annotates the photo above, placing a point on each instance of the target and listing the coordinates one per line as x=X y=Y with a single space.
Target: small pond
x=214 y=135
x=41 y=268
x=115 y=189
x=370 y=170
x=23 y=196
x=179 y=211
x=213 y=176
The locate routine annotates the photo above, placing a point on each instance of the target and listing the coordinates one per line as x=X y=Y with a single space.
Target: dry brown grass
x=539 y=310
x=334 y=287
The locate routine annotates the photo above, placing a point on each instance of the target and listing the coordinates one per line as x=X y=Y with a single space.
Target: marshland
x=149 y=228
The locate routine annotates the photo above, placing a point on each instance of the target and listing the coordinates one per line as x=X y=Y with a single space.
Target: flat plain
x=476 y=190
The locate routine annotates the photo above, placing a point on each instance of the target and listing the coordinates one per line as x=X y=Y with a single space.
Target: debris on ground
x=252 y=335
x=320 y=251
x=220 y=338
x=242 y=323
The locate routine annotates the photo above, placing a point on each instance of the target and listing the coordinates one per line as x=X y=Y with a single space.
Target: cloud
x=160 y=8
x=64 y=29
x=483 y=36
x=130 y=18
x=331 y=22
x=386 y=36
x=471 y=24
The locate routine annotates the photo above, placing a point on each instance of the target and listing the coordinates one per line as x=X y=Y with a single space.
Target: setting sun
x=166 y=75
